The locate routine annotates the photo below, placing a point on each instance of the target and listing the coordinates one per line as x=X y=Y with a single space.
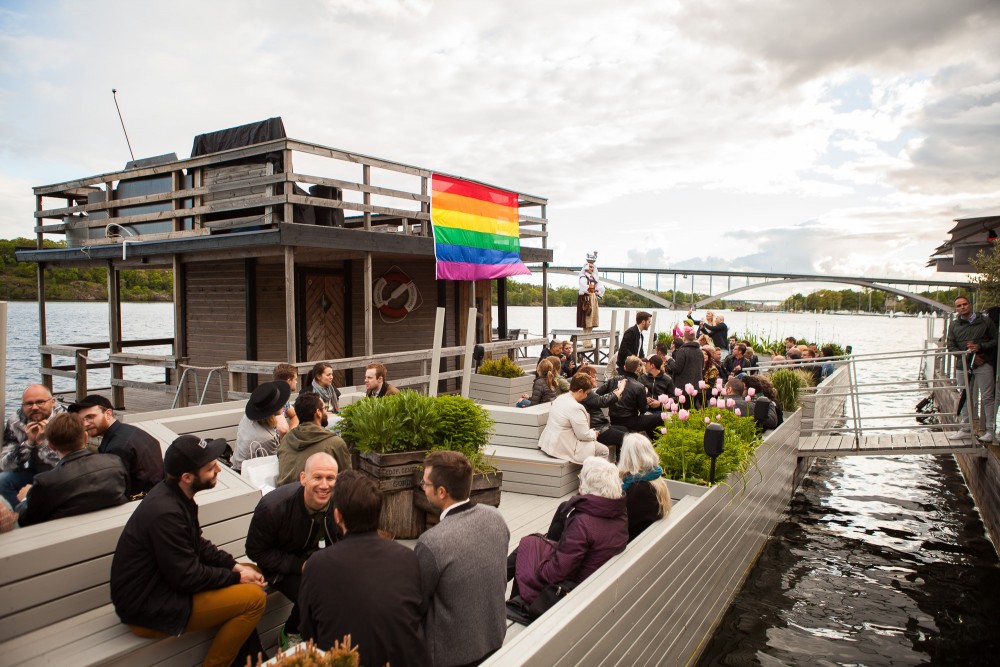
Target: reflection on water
x=879 y=561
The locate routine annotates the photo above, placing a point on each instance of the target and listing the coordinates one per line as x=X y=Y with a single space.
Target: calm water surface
x=878 y=561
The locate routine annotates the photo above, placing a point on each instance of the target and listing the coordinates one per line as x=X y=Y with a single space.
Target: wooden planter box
x=395 y=476
x=485 y=491
x=491 y=390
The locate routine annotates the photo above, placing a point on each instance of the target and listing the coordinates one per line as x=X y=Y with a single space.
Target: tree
x=988 y=280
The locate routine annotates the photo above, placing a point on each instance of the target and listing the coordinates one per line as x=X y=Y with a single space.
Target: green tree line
x=19 y=280
x=868 y=300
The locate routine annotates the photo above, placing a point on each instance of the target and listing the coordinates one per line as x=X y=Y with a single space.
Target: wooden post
x=290 y=304
x=366 y=178
x=545 y=299
x=612 y=348
x=432 y=390
x=286 y=166
x=180 y=327
x=46 y=359
x=115 y=334
x=470 y=342
x=81 y=374
x=502 y=308
x=369 y=314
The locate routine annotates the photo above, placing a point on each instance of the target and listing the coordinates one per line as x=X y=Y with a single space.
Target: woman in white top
x=257 y=434
x=567 y=434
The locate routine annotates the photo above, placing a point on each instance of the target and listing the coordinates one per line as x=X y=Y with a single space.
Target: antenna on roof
x=114 y=94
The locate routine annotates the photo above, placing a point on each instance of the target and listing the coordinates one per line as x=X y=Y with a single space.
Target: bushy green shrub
x=501 y=367
x=788 y=384
x=410 y=421
x=682 y=449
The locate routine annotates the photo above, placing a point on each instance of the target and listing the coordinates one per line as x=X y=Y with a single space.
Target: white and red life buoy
x=395 y=295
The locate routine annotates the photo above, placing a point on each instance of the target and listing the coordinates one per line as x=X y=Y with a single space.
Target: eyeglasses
x=32 y=404
x=424 y=484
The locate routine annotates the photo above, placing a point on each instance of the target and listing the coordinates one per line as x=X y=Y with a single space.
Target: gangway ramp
x=886 y=444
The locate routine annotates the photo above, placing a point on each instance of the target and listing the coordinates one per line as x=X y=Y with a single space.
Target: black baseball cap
x=189 y=453
x=89 y=402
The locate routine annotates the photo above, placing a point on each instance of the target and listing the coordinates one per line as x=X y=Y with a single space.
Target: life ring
x=389 y=288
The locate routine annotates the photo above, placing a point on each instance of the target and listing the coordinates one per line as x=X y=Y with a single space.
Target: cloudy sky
x=827 y=136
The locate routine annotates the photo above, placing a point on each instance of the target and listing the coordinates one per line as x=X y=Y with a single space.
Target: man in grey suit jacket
x=463 y=567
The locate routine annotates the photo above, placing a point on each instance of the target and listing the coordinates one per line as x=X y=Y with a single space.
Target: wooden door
x=325 y=321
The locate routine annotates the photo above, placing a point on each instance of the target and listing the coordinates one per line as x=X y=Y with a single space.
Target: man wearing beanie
x=166 y=579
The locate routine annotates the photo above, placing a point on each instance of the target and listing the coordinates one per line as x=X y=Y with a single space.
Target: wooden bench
x=518 y=427
x=54 y=579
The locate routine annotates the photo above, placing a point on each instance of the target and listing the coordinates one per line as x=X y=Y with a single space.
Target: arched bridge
x=617 y=277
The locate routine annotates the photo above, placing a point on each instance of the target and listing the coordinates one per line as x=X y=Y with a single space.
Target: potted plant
x=682 y=452
x=392 y=435
x=466 y=427
x=788 y=384
x=499 y=382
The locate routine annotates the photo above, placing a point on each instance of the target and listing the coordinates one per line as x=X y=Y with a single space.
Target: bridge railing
x=873 y=378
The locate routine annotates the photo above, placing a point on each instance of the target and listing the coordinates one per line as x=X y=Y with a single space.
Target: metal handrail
x=208 y=378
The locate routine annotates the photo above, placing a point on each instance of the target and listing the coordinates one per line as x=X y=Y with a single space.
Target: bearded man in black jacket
x=166 y=579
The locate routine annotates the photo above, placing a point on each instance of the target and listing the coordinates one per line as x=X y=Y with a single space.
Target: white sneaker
x=986 y=437
x=961 y=434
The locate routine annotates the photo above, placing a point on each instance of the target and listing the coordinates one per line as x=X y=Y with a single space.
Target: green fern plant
x=788 y=384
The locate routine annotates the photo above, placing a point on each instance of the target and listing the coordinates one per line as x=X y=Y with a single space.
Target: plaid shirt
x=18 y=454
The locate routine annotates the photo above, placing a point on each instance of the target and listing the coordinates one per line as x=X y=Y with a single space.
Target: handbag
x=260 y=472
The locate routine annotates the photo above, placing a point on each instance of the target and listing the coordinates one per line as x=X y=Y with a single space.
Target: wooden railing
x=239 y=370
x=82 y=363
x=405 y=210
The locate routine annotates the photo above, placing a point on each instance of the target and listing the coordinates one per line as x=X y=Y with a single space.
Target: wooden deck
x=136 y=400
x=881 y=444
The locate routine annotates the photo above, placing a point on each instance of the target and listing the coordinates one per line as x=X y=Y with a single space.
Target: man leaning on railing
x=976 y=335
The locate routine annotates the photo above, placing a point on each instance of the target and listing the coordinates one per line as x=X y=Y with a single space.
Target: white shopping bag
x=260 y=472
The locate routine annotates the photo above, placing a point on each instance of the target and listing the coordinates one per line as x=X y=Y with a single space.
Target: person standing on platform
x=975 y=334
x=590 y=290
x=632 y=339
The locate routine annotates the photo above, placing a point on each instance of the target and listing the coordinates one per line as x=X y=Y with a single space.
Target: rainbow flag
x=476 y=233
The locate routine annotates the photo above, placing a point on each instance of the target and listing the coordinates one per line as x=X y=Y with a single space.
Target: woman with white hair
x=647 y=496
x=594 y=528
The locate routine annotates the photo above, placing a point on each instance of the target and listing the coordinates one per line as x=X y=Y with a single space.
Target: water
x=878 y=561
x=78 y=322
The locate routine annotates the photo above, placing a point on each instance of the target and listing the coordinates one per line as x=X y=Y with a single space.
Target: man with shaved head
x=288 y=526
x=25 y=450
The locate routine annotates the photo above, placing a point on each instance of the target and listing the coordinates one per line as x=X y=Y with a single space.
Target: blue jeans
x=13 y=481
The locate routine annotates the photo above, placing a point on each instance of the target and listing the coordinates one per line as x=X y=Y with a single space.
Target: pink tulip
x=737 y=412
x=715 y=391
x=663 y=430
x=683 y=415
x=665 y=415
x=718 y=418
x=730 y=403
x=707 y=420
x=673 y=407
x=702 y=385
x=718 y=383
x=751 y=391
x=689 y=389
x=663 y=398
x=681 y=400
x=713 y=402
x=678 y=391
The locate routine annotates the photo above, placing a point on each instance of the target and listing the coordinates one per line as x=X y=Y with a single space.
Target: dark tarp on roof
x=238 y=137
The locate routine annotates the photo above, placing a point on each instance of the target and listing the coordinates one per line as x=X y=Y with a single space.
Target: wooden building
x=281 y=250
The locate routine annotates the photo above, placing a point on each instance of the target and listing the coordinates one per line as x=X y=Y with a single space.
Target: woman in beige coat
x=567 y=433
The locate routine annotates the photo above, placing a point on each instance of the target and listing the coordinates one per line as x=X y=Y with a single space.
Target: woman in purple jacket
x=595 y=529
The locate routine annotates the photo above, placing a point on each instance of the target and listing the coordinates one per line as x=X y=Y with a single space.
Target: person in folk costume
x=591 y=289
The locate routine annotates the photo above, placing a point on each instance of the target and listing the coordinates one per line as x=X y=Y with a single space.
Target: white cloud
x=660 y=131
